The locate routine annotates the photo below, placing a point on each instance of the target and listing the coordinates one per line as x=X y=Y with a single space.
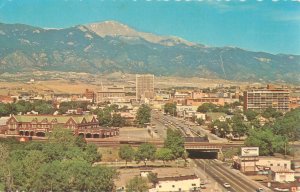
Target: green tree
x=145 y=152
x=104 y=117
x=6 y=174
x=207 y=107
x=127 y=153
x=143 y=114
x=200 y=121
x=57 y=165
x=175 y=143
x=117 y=120
x=43 y=107
x=4 y=110
x=220 y=128
x=91 y=154
x=170 y=108
x=164 y=154
x=239 y=128
x=271 y=113
x=62 y=136
x=250 y=114
x=137 y=184
x=288 y=125
x=267 y=141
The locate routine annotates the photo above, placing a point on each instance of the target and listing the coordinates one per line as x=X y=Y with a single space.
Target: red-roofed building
x=38 y=125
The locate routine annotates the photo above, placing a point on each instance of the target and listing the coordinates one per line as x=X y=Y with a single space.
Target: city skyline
x=258 y=26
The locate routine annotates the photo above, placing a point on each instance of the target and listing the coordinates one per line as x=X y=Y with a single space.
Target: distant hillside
x=111 y=46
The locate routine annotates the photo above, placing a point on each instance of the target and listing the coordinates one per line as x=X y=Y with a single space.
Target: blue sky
x=253 y=25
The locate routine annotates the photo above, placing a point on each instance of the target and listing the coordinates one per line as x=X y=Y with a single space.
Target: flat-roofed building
x=178 y=183
x=261 y=99
x=110 y=94
x=144 y=86
x=198 y=102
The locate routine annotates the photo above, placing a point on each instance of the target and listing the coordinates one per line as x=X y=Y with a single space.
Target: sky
x=262 y=25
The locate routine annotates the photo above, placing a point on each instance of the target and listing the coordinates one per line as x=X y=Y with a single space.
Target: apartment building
x=261 y=99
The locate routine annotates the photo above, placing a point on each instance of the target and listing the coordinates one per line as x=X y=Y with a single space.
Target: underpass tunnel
x=201 y=154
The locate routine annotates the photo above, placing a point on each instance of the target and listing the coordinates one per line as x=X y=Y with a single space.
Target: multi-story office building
x=111 y=94
x=260 y=99
x=144 y=86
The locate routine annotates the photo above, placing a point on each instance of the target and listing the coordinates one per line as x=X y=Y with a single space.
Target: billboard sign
x=250 y=151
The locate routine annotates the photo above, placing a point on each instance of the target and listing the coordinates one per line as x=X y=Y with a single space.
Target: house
x=213 y=116
x=178 y=183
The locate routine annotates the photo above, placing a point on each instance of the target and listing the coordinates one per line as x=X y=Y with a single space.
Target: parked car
x=226 y=185
x=202 y=186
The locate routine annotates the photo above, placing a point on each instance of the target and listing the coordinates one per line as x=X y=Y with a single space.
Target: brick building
x=38 y=125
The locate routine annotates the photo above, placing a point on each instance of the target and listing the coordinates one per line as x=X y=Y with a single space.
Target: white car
x=226 y=185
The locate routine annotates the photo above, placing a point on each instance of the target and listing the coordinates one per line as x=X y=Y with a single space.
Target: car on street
x=226 y=185
x=202 y=186
x=260 y=190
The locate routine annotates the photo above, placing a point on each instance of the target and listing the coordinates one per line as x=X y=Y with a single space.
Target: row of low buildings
x=276 y=172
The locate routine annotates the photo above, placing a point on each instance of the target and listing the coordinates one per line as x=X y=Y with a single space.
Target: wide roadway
x=215 y=169
x=164 y=121
x=222 y=174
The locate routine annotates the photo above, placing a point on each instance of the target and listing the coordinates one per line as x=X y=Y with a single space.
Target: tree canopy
x=137 y=184
x=60 y=164
x=164 y=154
x=170 y=108
x=288 y=125
x=271 y=113
x=175 y=143
x=267 y=141
x=145 y=152
x=127 y=153
x=40 y=106
x=143 y=114
x=109 y=116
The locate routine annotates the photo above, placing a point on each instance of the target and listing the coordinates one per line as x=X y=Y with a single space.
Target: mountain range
x=111 y=46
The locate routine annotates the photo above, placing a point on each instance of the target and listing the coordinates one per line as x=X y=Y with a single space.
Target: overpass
x=159 y=143
x=203 y=150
